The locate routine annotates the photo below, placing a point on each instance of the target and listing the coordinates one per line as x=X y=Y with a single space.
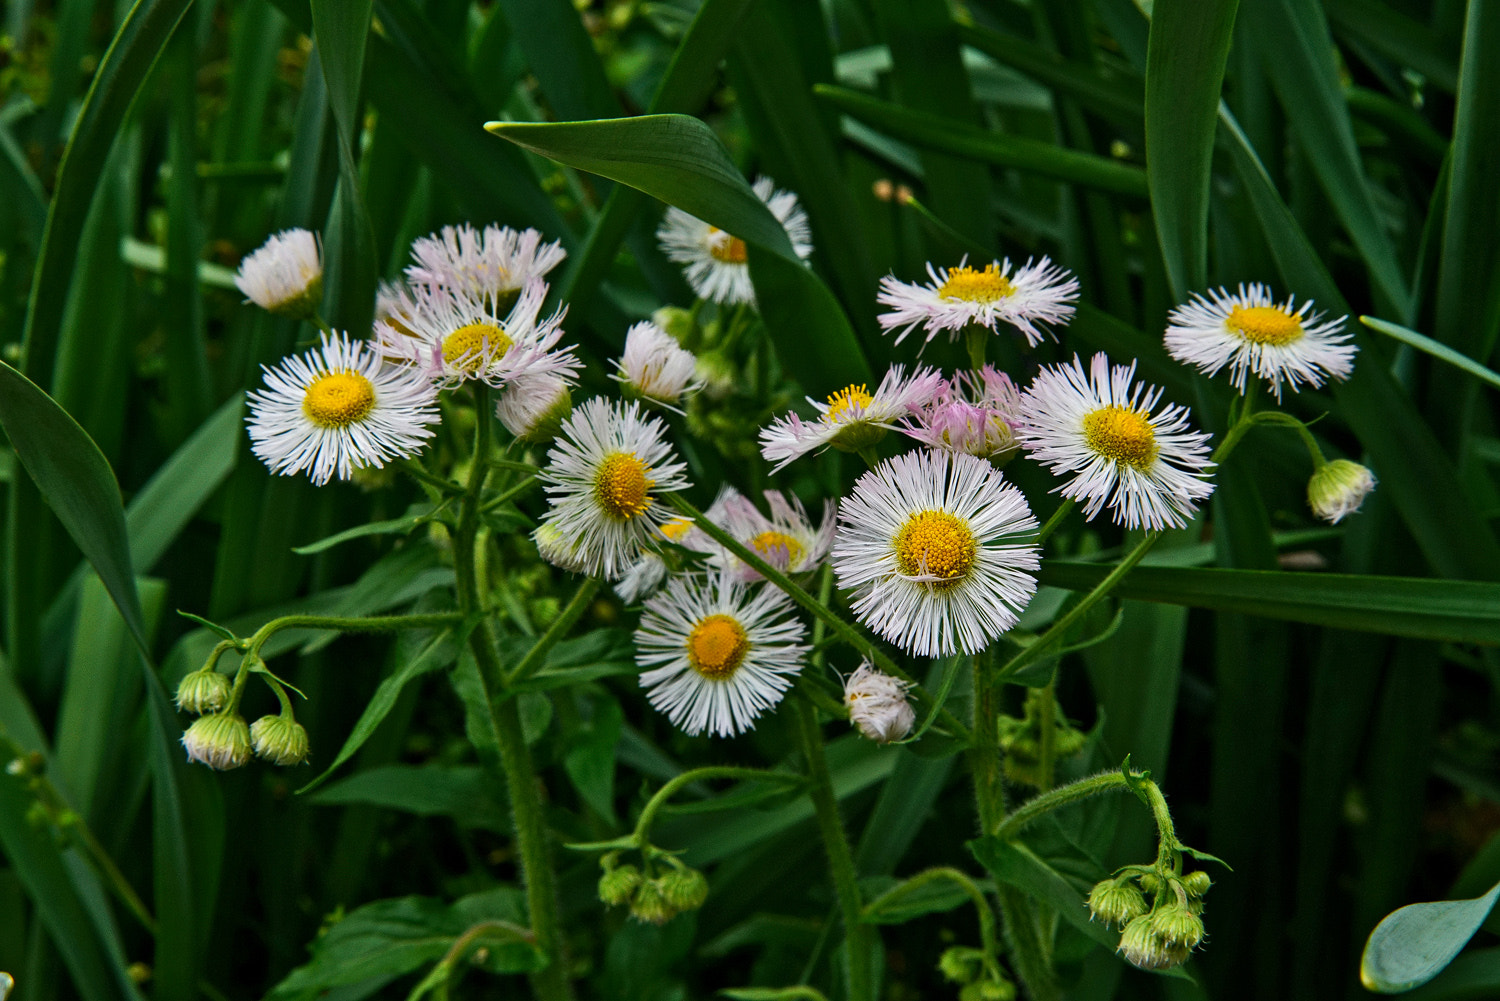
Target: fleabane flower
x=1249 y=332
x=935 y=546
x=716 y=654
x=494 y=265
x=337 y=408
x=787 y=539
x=717 y=264
x=604 y=476
x=971 y=415
x=1152 y=471
x=285 y=275
x=655 y=367
x=645 y=576
x=877 y=704
x=1029 y=298
x=533 y=407
x=454 y=337
x=853 y=418
x=1338 y=488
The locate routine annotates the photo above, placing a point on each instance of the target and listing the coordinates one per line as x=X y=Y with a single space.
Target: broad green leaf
x=1013 y=864
x=962 y=139
x=1116 y=95
x=1473 y=976
x=1185 y=56
x=77 y=484
x=899 y=905
x=466 y=793
x=590 y=762
x=1437 y=349
x=1401 y=37
x=1456 y=611
x=1414 y=944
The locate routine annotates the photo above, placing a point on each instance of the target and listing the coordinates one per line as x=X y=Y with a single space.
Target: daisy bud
x=203 y=692
x=654 y=368
x=281 y=740
x=1196 y=883
x=684 y=889
x=988 y=990
x=220 y=741
x=1338 y=488
x=1177 y=925
x=619 y=882
x=1116 y=902
x=961 y=963
x=533 y=408
x=718 y=373
x=1142 y=947
x=877 y=705
x=285 y=276
x=678 y=322
x=650 y=903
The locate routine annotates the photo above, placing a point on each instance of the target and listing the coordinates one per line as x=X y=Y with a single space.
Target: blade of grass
x=1434 y=348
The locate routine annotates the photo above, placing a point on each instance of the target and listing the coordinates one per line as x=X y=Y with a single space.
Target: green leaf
x=464 y=792
x=899 y=905
x=1412 y=945
x=1016 y=865
x=800 y=991
x=78 y=485
x=1185 y=57
x=590 y=762
x=1457 y=611
x=1117 y=95
x=220 y=631
x=962 y=139
x=1437 y=349
x=417 y=514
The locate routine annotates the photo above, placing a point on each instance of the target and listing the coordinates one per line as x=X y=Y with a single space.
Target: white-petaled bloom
x=877 y=704
x=934 y=545
x=787 y=539
x=285 y=276
x=494 y=265
x=604 y=475
x=716 y=654
x=455 y=337
x=339 y=407
x=853 y=418
x=643 y=577
x=655 y=367
x=718 y=266
x=533 y=407
x=1151 y=471
x=970 y=415
x=1248 y=331
x=1338 y=488
x=1038 y=294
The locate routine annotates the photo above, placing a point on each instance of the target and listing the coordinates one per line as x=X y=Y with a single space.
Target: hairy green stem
x=984 y=748
x=988 y=941
x=1047 y=735
x=654 y=805
x=1055 y=519
x=532 y=662
x=348 y=624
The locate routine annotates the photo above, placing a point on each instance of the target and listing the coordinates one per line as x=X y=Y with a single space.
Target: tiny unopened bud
x=650 y=903
x=284 y=276
x=877 y=705
x=904 y=195
x=138 y=973
x=718 y=373
x=1143 y=948
x=618 y=884
x=988 y=990
x=1177 y=925
x=220 y=741
x=678 y=322
x=1196 y=883
x=684 y=889
x=203 y=692
x=1338 y=488
x=654 y=368
x=884 y=189
x=533 y=408
x=1116 y=902
x=961 y=964
x=1150 y=882
x=280 y=740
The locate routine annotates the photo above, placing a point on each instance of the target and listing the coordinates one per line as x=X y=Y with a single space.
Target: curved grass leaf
x=1412 y=945
x=962 y=139
x=1119 y=96
x=464 y=792
x=1457 y=611
x=1185 y=56
x=1437 y=349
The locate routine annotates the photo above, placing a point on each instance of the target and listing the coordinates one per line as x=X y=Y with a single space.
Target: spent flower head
x=877 y=704
x=655 y=368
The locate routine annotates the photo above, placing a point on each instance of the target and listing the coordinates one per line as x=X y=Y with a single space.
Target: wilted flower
x=655 y=367
x=877 y=704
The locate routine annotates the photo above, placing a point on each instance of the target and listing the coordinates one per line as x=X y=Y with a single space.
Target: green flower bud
x=203 y=692
x=1143 y=948
x=534 y=407
x=679 y=323
x=650 y=903
x=220 y=741
x=856 y=436
x=618 y=884
x=684 y=889
x=1177 y=926
x=1116 y=902
x=280 y=740
x=988 y=990
x=718 y=373
x=1150 y=882
x=1196 y=883
x=1338 y=488
x=961 y=964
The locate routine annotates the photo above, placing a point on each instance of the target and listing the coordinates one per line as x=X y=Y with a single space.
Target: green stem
x=527 y=482
x=347 y=624
x=534 y=658
x=1047 y=738
x=987 y=938
x=984 y=749
x=642 y=834
x=413 y=468
x=840 y=857
x=1061 y=626
x=975 y=339
x=1056 y=519
x=1074 y=792
x=844 y=630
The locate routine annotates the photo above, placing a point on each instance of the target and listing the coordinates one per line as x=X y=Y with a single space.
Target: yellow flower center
x=1121 y=434
x=621 y=484
x=1264 y=324
x=850 y=396
x=338 y=399
x=772 y=543
x=676 y=528
x=730 y=250
x=935 y=544
x=717 y=646
x=969 y=285
x=464 y=348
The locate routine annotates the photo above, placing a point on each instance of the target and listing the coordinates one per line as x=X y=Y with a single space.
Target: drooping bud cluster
x=220 y=741
x=980 y=980
x=281 y=740
x=877 y=704
x=1021 y=740
x=1159 y=935
x=655 y=900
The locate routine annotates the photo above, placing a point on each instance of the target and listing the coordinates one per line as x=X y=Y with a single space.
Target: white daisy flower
x=787 y=539
x=934 y=546
x=852 y=419
x=1338 y=488
x=603 y=475
x=1250 y=332
x=717 y=263
x=337 y=408
x=455 y=337
x=718 y=656
x=1151 y=471
x=970 y=415
x=284 y=276
x=1037 y=294
x=533 y=407
x=493 y=266
x=643 y=577
x=655 y=367
x=877 y=704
